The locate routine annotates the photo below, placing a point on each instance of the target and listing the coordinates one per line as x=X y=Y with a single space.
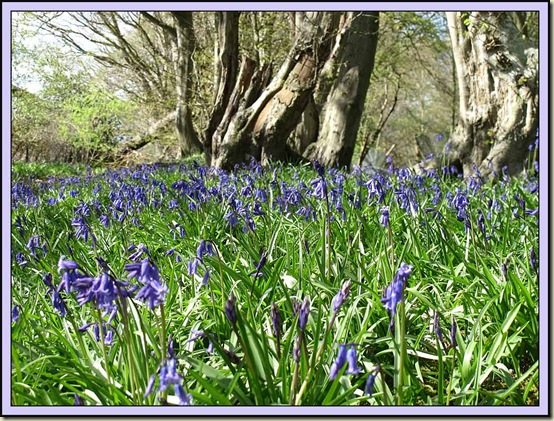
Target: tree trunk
x=498 y=92
x=345 y=103
x=261 y=129
x=227 y=62
x=231 y=143
x=187 y=136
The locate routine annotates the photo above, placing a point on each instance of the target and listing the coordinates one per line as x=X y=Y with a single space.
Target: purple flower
x=260 y=265
x=481 y=223
x=384 y=216
x=205 y=248
x=230 y=309
x=206 y=277
x=319 y=168
x=192 y=266
x=78 y=400
x=185 y=399
x=33 y=244
x=140 y=250
x=338 y=363
x=15 y=313
x=66 y=264
x=351 y=357
x=436 y=326
x=533 y=259
x=370 y=382
x=20 y=259
x=153 y=292
x=320 y=188
x=168 y=376
x=58 y=303
x=276 y=320
x=82 y=230
x=303 y=314
x=338 y=300
x=104 y=220
x=147 y=273
x=453 y=330
x=394 y=293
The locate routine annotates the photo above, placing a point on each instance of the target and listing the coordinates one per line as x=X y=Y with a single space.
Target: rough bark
x=187 y=136
x=284 y=111
x=344 y=106
x=231 y=143
x=261 y=129
x=227 y=59
x=498 y=92
x=307 y=130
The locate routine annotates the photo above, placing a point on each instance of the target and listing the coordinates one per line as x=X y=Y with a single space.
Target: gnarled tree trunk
x=498 y=92
x=187 y=136
x=261 y=129
x=227 y=66
x=355 y=54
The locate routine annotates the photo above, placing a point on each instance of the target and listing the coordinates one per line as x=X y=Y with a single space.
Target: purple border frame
x=542 y=409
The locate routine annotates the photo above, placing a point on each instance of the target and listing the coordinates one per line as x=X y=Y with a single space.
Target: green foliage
x=457 y=273
x=93 y=121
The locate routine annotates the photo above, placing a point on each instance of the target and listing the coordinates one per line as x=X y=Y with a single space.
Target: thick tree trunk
x=498 y=92
x=284 y=111
x=261 y=129
x=344 y=106
x=188 y=138
x=231 y=142
x=227 y=64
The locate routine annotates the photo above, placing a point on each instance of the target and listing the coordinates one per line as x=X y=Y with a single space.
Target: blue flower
x=58 y=303
x=533 y=259
x=276 y=320
x=168 y=376
x=384 y=216
x=370 y=382
x=338 y=300
x=20 y=259
x=320 y=188
x=192 y=266
x=78 y=400
x=260 y=265
x=147 y=273
x=104 y=220
x=319 y=168
x=436 y=326
x=206 y=277
x=15 y=313
x=205 y=248
x=351 y=357
x=394 y=293
x=303 y=314
x=230 y=309
x=338 y=363
x=453 y=330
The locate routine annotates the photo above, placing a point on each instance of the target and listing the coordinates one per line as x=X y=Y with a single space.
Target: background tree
x=216 y=71
x=412 y=92
x=497 y=76
x=352 y=63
